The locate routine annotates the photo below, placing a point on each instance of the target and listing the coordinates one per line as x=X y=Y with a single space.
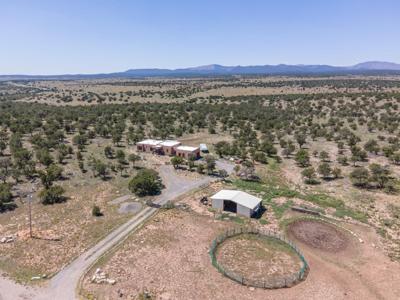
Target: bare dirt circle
x=258 y=258
x=319 y=235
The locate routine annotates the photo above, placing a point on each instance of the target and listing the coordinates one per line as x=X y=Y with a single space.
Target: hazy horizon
x=186 y=67
x=75 y=37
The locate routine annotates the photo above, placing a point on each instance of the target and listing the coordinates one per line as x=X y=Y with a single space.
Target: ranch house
x=168 y=147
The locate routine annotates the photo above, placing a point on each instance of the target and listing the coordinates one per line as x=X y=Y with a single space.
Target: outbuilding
x=237 y=202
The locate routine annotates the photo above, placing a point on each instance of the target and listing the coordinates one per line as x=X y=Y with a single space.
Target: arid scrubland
x=329 y=144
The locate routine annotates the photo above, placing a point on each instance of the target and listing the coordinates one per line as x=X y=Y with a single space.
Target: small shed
x=237 y=202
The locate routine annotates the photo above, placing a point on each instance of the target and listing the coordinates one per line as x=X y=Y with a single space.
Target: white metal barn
x=238 y=202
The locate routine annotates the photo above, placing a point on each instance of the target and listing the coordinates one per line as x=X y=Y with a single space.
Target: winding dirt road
x=64 y=284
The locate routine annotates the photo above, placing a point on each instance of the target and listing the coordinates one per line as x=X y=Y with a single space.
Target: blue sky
x=88 y=36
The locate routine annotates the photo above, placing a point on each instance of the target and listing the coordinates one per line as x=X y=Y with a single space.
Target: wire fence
x=267 y=283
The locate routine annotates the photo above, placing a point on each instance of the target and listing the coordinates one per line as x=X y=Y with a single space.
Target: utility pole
x=30 y=214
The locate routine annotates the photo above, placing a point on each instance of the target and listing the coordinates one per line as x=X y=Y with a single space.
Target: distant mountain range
x=370 y=68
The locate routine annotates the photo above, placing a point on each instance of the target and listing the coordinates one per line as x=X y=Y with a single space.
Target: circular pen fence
x=267 y=283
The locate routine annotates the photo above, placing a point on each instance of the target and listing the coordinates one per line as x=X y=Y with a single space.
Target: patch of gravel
x=130 y=207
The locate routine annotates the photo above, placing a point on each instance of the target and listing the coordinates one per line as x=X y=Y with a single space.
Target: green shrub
x=146 y=183
x=5 y=197
x=51 y=195
x=96 y=212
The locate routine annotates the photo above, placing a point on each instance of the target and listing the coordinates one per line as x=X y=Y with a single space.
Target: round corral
x=319 y=234
x=259 y=259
